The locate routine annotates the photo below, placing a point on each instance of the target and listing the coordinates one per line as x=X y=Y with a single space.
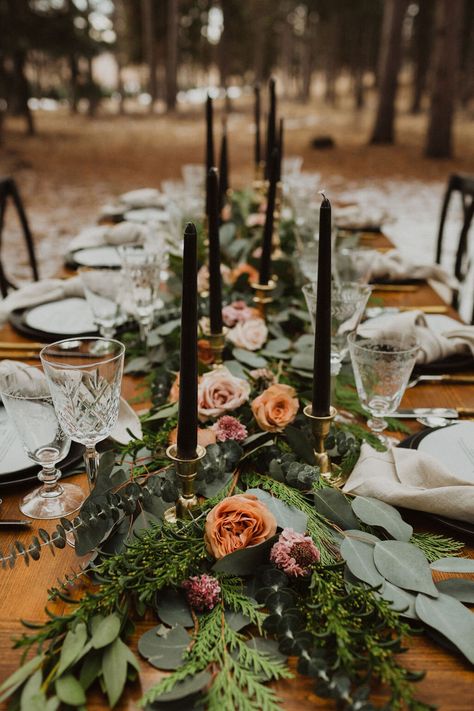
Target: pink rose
x=220 y=392
x=250 y=334
x=255 y=220
x=237 y=311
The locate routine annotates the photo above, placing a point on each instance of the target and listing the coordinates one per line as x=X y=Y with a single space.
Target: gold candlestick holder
x=186 y=470
x=217 y=343
x=320 y=427
x=263 y=296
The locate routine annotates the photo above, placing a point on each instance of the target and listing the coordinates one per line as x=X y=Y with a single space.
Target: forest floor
x=74 y=165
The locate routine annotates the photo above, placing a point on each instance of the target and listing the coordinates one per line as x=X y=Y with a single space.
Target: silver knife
x=448 y=412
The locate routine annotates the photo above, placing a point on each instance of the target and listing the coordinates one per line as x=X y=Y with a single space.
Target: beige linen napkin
x=115 y=235
x=39 y=292
x=414 y=480
x=433 y=345
x=142 y=198
x=392 y=265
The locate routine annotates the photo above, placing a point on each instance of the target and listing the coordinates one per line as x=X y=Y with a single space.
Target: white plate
x=453 y=446
x=68 y=316
x=439 y=323
x=146 y=215
x=97 y=257
x=13 y=457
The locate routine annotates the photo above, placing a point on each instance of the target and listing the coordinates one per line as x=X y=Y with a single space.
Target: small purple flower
x=228 y=427
x=294 y=553
x=202 y=592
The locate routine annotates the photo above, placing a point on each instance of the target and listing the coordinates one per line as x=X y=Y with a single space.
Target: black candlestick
x=215 y=297
x=265 y=260
x=223 y=168
x=258 y=156
x=280 y=147
x=271 y=128
x=210 y=161
x=188 y=371
x=321 y=401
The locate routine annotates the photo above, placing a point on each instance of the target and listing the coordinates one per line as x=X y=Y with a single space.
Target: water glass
x=86 y=391
x=142 y=272
x=382 y=367
x=29 y=405
x=354 y=264
x=103 y=289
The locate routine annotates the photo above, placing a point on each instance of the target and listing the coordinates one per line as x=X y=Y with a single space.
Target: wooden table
x=449 y=683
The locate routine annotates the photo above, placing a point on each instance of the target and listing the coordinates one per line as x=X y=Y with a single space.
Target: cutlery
x=19 y=354
x=434 y=421
x=459 y=379
x=15 y=523
x=396 y=287
x=448 y=412
x=374 y=311
x=6 y=345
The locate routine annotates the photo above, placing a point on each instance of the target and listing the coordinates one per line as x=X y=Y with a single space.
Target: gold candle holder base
x=263 y=296
x=186 y=470
x=217 y=343
x=320 y=427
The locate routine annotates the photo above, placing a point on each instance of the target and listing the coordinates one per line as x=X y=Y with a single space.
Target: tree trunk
x=22 y=89
x=389 y=64
x=447 y=46
x=74 y=73
x=421 y=51
x=149 y=49
x=359 y=96
x=308 y=58
x=172 y=54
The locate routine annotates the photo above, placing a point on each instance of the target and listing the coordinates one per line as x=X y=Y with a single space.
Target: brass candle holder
x=186 y=470
x=263 y=296
x=320 y=427
x=217 y=343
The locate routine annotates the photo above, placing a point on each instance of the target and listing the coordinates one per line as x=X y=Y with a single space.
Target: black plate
x=17 y=320
x=412 y=442
x=29 y=475
x=453 y=364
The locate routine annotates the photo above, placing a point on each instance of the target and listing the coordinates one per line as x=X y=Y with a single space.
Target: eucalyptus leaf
x=164 y=652
x=451 y=618
x=69 y=691
x=359 y=559
x=245 y=561
x=249 y=358
x=361 y=536
x=164 y=413
x=453 y=565
x=189 y=685
x=333 y=505
x=19 y=675
x=106 y=631
x=114 y=670
x=32 y=698
x=304 y=342
x=399 y=599
x=90 y=669
x=144 y=521
x=74 y=643
x=377 y=513
x=168 y=327
x=302 y=361
x=460 y=588
x=137 y=365
x=173 y=609
x=278 y=345
x=286 y=516
x=236 y=620
x=236 y=368
x=300 y=444
x=404 y=565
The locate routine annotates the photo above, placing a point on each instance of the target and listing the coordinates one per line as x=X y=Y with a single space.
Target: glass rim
x=70 y=366
x=353 y=284
x=29 y=397
x=351 y=337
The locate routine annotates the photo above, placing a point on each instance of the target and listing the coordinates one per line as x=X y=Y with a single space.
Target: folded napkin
x=145 y=197
x=434 y=345
x=38 y=293
x=414 y=480
x=392 y=265
x=115 y=235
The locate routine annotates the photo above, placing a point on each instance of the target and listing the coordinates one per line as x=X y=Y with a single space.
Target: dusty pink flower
x=236 y=312
x=202 y=592
x=263 y=374
x=250 y=334
x=220 y=392
x=294 y=553
x=229 y=427
x=255 y=219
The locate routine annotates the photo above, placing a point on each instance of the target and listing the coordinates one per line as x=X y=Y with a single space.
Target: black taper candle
x=258 y=155
x=266 y=258
x=280 y=147
x=210 y=160
x=188 y=370
x=271 y=128
x=215 y=296
x=223 y=168
x=321 y=401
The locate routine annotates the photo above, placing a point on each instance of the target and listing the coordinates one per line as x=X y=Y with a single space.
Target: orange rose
x=275 y=408
x=205 y=436
x=174 y=392
x=245 y=269
x=237 y=522
x=205 y=353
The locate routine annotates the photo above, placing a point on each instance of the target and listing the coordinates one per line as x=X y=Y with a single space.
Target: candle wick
x=321 y=192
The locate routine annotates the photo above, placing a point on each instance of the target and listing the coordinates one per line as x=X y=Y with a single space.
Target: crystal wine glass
x=141 y=269
x=103 y=289
x=354 y=264
x=382 y=367
x=29 y=405
x=86 y=391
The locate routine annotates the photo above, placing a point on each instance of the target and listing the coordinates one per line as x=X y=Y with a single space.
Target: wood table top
x=449 y=682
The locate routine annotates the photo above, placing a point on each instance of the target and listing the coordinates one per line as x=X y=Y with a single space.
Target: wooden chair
x=9 y=191
x=464 y=185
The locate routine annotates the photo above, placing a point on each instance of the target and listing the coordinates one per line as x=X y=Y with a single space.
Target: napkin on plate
x=39 y=292
x=434 y=345
x=395 y=267
x=115 y=235
x=144 y=197
x=414 y=480
x=127 y=419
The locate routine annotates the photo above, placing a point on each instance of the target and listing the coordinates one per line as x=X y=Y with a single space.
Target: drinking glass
x=354 y=264
x=103 y=289
x=141 y=269
x=86 y=391
x=348 y=302
x=382 y=367
x=29 y=405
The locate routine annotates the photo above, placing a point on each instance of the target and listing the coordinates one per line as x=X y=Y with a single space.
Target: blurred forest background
x=102 y=96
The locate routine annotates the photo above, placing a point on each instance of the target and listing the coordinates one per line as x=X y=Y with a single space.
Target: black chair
x=9 y=191
x=464 y=185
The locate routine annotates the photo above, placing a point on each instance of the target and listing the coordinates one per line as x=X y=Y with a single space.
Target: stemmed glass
x=29 y=405
x=382 y=368
x=103 y=289
x=141 y=269
x=354 y=264
x=86 y=391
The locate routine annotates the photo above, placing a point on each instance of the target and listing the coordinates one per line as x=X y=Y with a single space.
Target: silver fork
x=459 y=379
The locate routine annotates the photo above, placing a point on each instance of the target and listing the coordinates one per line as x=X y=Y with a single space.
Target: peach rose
x=250 y=334
x=237 y=311
x=206 y=436
x=205 y=353
x=174 y=391
x=243 y=268
x=203 y=277
x=275 y=408
x=220 y=392
x=237 y=522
